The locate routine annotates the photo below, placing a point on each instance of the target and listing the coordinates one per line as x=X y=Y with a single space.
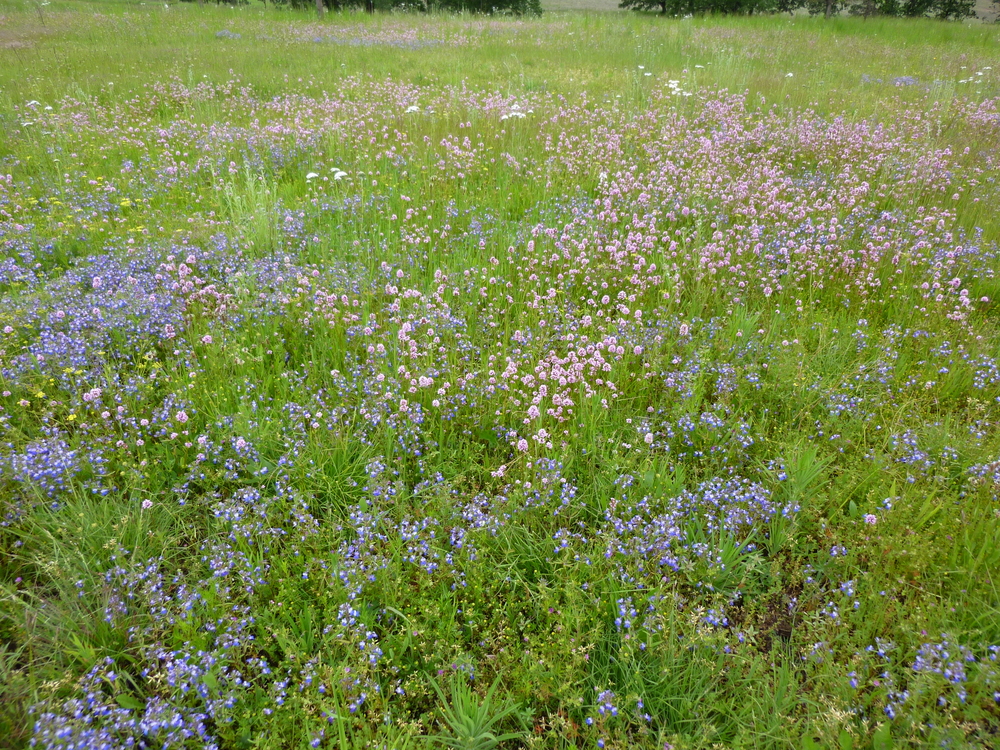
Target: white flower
x=312 y=176
x=412 y=108
x=789 y=75
x=338 y=175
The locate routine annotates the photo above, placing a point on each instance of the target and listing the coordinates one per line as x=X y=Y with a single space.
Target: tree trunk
x=319 y=8
x=829 y=9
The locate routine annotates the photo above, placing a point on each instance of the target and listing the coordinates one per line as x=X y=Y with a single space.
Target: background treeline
x=515 y=7
x=944 y=9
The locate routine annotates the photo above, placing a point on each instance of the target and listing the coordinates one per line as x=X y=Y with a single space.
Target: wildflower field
x=586 y=381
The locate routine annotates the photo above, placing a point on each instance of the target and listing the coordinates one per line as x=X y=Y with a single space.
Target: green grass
x=303 y=526
x=63 y=56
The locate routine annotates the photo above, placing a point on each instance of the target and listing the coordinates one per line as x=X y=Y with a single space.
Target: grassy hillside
x=585 y=381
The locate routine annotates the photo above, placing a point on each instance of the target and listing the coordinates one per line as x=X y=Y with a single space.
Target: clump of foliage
x=942 y=9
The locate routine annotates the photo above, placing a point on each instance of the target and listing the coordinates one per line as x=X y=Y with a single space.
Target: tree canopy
x=944 y=9
x=515 y=7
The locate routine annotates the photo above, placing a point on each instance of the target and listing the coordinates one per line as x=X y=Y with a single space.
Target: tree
x=660 y=5
x=954 y=10
x=787 y=6
x=516 y=7
x=690 y=7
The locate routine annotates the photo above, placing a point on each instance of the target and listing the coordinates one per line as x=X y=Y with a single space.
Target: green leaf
x=470 y=720
x=927 y=511
x=129 y=702
x=211 y=681
x=883 y=737
x=845 y=740
x=488 y=436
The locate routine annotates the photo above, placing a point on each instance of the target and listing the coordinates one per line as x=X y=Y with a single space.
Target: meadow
x=583 y=381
